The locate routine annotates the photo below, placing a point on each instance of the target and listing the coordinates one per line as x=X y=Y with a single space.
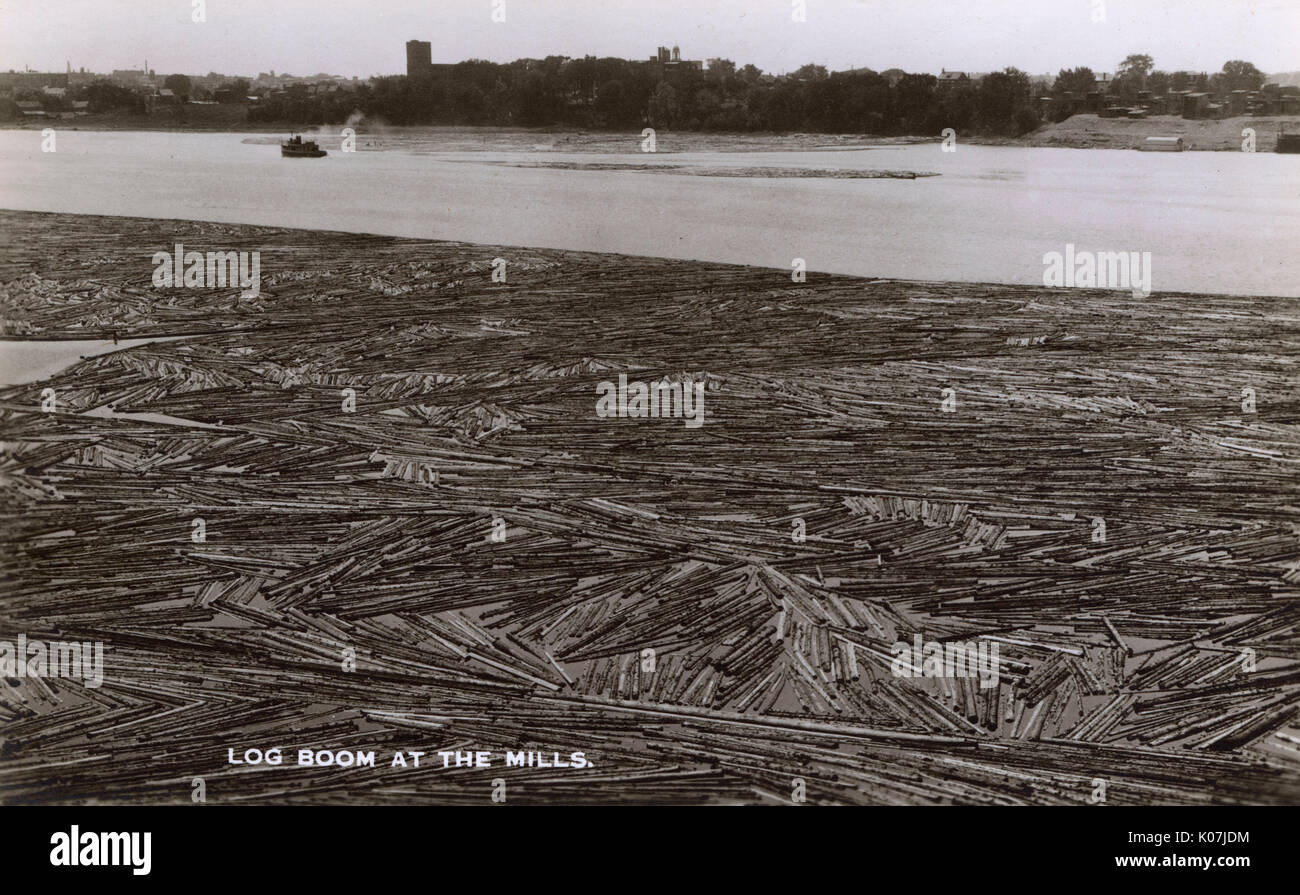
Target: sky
x=367 y=37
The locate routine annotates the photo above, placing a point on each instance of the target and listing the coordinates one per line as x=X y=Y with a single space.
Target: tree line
x=615 y=93
x=610 y=93
x=1137 y=75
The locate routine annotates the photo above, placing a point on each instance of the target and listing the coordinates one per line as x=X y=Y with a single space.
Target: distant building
x=671 y=62
x=1196 y=105
x=31 y=80
x=130 y=77
x=949 y=78
x=419 y=58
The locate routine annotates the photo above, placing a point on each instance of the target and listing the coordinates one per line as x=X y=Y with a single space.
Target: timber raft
x=471 y=558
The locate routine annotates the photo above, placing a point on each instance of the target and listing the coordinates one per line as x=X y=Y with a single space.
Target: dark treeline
x=616 y=93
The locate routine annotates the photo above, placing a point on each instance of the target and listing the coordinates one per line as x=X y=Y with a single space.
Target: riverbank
x=1095 y=132
x=1068 y=474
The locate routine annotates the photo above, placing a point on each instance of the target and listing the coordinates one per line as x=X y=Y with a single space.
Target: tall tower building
x=419 y=58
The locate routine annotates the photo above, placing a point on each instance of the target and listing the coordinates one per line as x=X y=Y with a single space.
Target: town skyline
x=240 y=39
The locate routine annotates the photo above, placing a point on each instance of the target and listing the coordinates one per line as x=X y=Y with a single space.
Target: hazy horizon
x=351 y=38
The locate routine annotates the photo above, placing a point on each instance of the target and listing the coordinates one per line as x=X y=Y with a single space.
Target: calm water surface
x=1213 y=221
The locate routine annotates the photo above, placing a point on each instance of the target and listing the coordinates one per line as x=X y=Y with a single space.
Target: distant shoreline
x=1076 y=132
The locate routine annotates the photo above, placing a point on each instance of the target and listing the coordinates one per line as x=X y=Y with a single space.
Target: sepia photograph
x=682 y=403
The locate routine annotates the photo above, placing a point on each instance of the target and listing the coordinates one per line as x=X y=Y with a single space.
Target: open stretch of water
x=1212 y=221
x=30 y=360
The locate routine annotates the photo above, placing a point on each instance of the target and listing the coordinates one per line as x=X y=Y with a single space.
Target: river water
x=1212 y=221
x=31 y=360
